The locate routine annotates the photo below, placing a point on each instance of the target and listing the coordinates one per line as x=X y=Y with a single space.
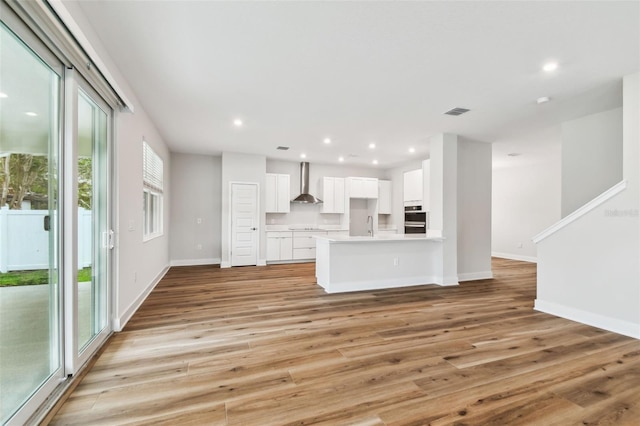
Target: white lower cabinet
x=279 y=246
x=304 y=245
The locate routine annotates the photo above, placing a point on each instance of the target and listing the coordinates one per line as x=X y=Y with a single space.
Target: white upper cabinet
x=361 y=187
x=277 y=193
x=413 y=187
x=384 y=197
x=332 y=195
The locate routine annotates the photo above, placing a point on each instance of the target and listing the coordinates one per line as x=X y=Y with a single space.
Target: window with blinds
x=152 y=176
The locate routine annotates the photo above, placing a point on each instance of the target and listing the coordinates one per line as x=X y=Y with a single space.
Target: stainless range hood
x=305 y=197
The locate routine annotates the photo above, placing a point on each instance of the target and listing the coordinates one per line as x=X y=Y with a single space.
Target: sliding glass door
x=94 y=238
x=30 y=302
x=55 y=234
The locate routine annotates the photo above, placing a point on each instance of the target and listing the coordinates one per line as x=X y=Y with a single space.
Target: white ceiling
x=361 y=72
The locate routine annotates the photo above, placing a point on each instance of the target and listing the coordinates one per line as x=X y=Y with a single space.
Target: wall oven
x=415 y=220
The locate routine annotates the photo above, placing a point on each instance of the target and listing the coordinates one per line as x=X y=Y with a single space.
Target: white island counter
x=345 y=263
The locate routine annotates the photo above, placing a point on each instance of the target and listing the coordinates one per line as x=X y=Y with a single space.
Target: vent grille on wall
x=457 y=111
x=283 y=148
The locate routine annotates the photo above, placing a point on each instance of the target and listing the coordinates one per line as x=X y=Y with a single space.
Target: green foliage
x=41 y=276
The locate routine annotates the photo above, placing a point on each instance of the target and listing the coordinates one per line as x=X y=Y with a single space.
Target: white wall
x=196 y=208
x=474 y=210
x=304 y=214
x=242 y=168
x=589 y=269
x=526 y=192
x=139 y=265
x=591 y=157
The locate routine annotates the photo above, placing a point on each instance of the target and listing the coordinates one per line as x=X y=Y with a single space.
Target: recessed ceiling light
x=3 y=95
x=372 y=145
x=543 y=99
x=550 y=66
x=237 y=122
x=31 y=114
x=303 y=155
x=341 y=159
x=412 y=150
x=327 y=141
x=375 y=161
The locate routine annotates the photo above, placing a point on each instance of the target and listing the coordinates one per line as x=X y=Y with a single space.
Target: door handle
x=47 y=223
x=254 y=229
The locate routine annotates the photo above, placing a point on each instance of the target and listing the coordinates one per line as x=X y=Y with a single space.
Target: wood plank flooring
x=266 y=346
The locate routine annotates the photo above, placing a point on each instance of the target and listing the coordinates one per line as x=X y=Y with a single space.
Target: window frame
x=152 y=193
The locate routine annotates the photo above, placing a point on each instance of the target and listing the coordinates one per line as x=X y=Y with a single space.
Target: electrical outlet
x=199 y=220
x=199 y=247
x=132 y=225
x=395 y=261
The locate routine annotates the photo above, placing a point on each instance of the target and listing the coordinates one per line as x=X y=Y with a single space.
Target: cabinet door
x=356 y=188
x=273 y=248
x=286 y=248
x=371 y=188
x=413 y=185
x=338 y=195
x=271 y=194
x=328 y=205
x=283 y=191
x=384 y=197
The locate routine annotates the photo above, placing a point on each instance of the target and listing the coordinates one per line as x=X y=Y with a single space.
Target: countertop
x=379 y=238
x=270 y=228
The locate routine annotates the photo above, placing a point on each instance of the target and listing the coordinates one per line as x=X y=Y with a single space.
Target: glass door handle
x=47 y=223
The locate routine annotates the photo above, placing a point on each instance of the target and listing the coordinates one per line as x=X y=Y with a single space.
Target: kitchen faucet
x=370 y=225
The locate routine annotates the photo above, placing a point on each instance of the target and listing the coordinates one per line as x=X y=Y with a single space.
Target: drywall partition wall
x=242 y=168
x=309 y=214
x=525 y=192
x=443 y=188
x=474 y=210
x=139 y=265
x=588 y=269
x=591 y=157
x=196 y=203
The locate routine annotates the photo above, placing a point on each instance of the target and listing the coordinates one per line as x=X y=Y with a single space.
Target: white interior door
x=244 y=224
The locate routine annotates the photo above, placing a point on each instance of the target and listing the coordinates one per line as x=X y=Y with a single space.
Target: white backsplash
x=304 y=215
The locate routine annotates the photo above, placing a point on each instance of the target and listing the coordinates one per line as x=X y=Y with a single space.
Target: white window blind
x=152 y=168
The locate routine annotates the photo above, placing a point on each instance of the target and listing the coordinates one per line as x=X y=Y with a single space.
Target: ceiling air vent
x=457 y=111
x=283 y=148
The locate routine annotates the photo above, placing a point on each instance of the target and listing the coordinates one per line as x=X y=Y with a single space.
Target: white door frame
x=230 y=229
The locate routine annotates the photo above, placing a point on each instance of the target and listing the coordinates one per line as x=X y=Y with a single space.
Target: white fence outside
x=24 y=244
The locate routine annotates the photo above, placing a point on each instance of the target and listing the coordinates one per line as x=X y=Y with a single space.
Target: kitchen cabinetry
x=360 y=187
x=332 y=195
x=279 y=246
x=304 y=245
x=277 y=193
x=384 y=197
x=413 y=187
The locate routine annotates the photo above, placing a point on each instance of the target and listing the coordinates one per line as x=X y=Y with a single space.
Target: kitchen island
x=346 y=263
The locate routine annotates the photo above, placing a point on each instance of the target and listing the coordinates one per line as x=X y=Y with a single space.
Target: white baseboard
x=225 y=264
x=512 y=256
x=446 y=281
x=196 y=262
x=262 y=262
x=122 y=320
x=472 y=276
x=625 y=328
x=344 y=287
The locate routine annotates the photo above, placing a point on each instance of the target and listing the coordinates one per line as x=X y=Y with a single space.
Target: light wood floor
x=266 y=346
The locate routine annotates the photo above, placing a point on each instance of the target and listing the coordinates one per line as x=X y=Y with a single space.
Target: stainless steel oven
x=415 y=220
